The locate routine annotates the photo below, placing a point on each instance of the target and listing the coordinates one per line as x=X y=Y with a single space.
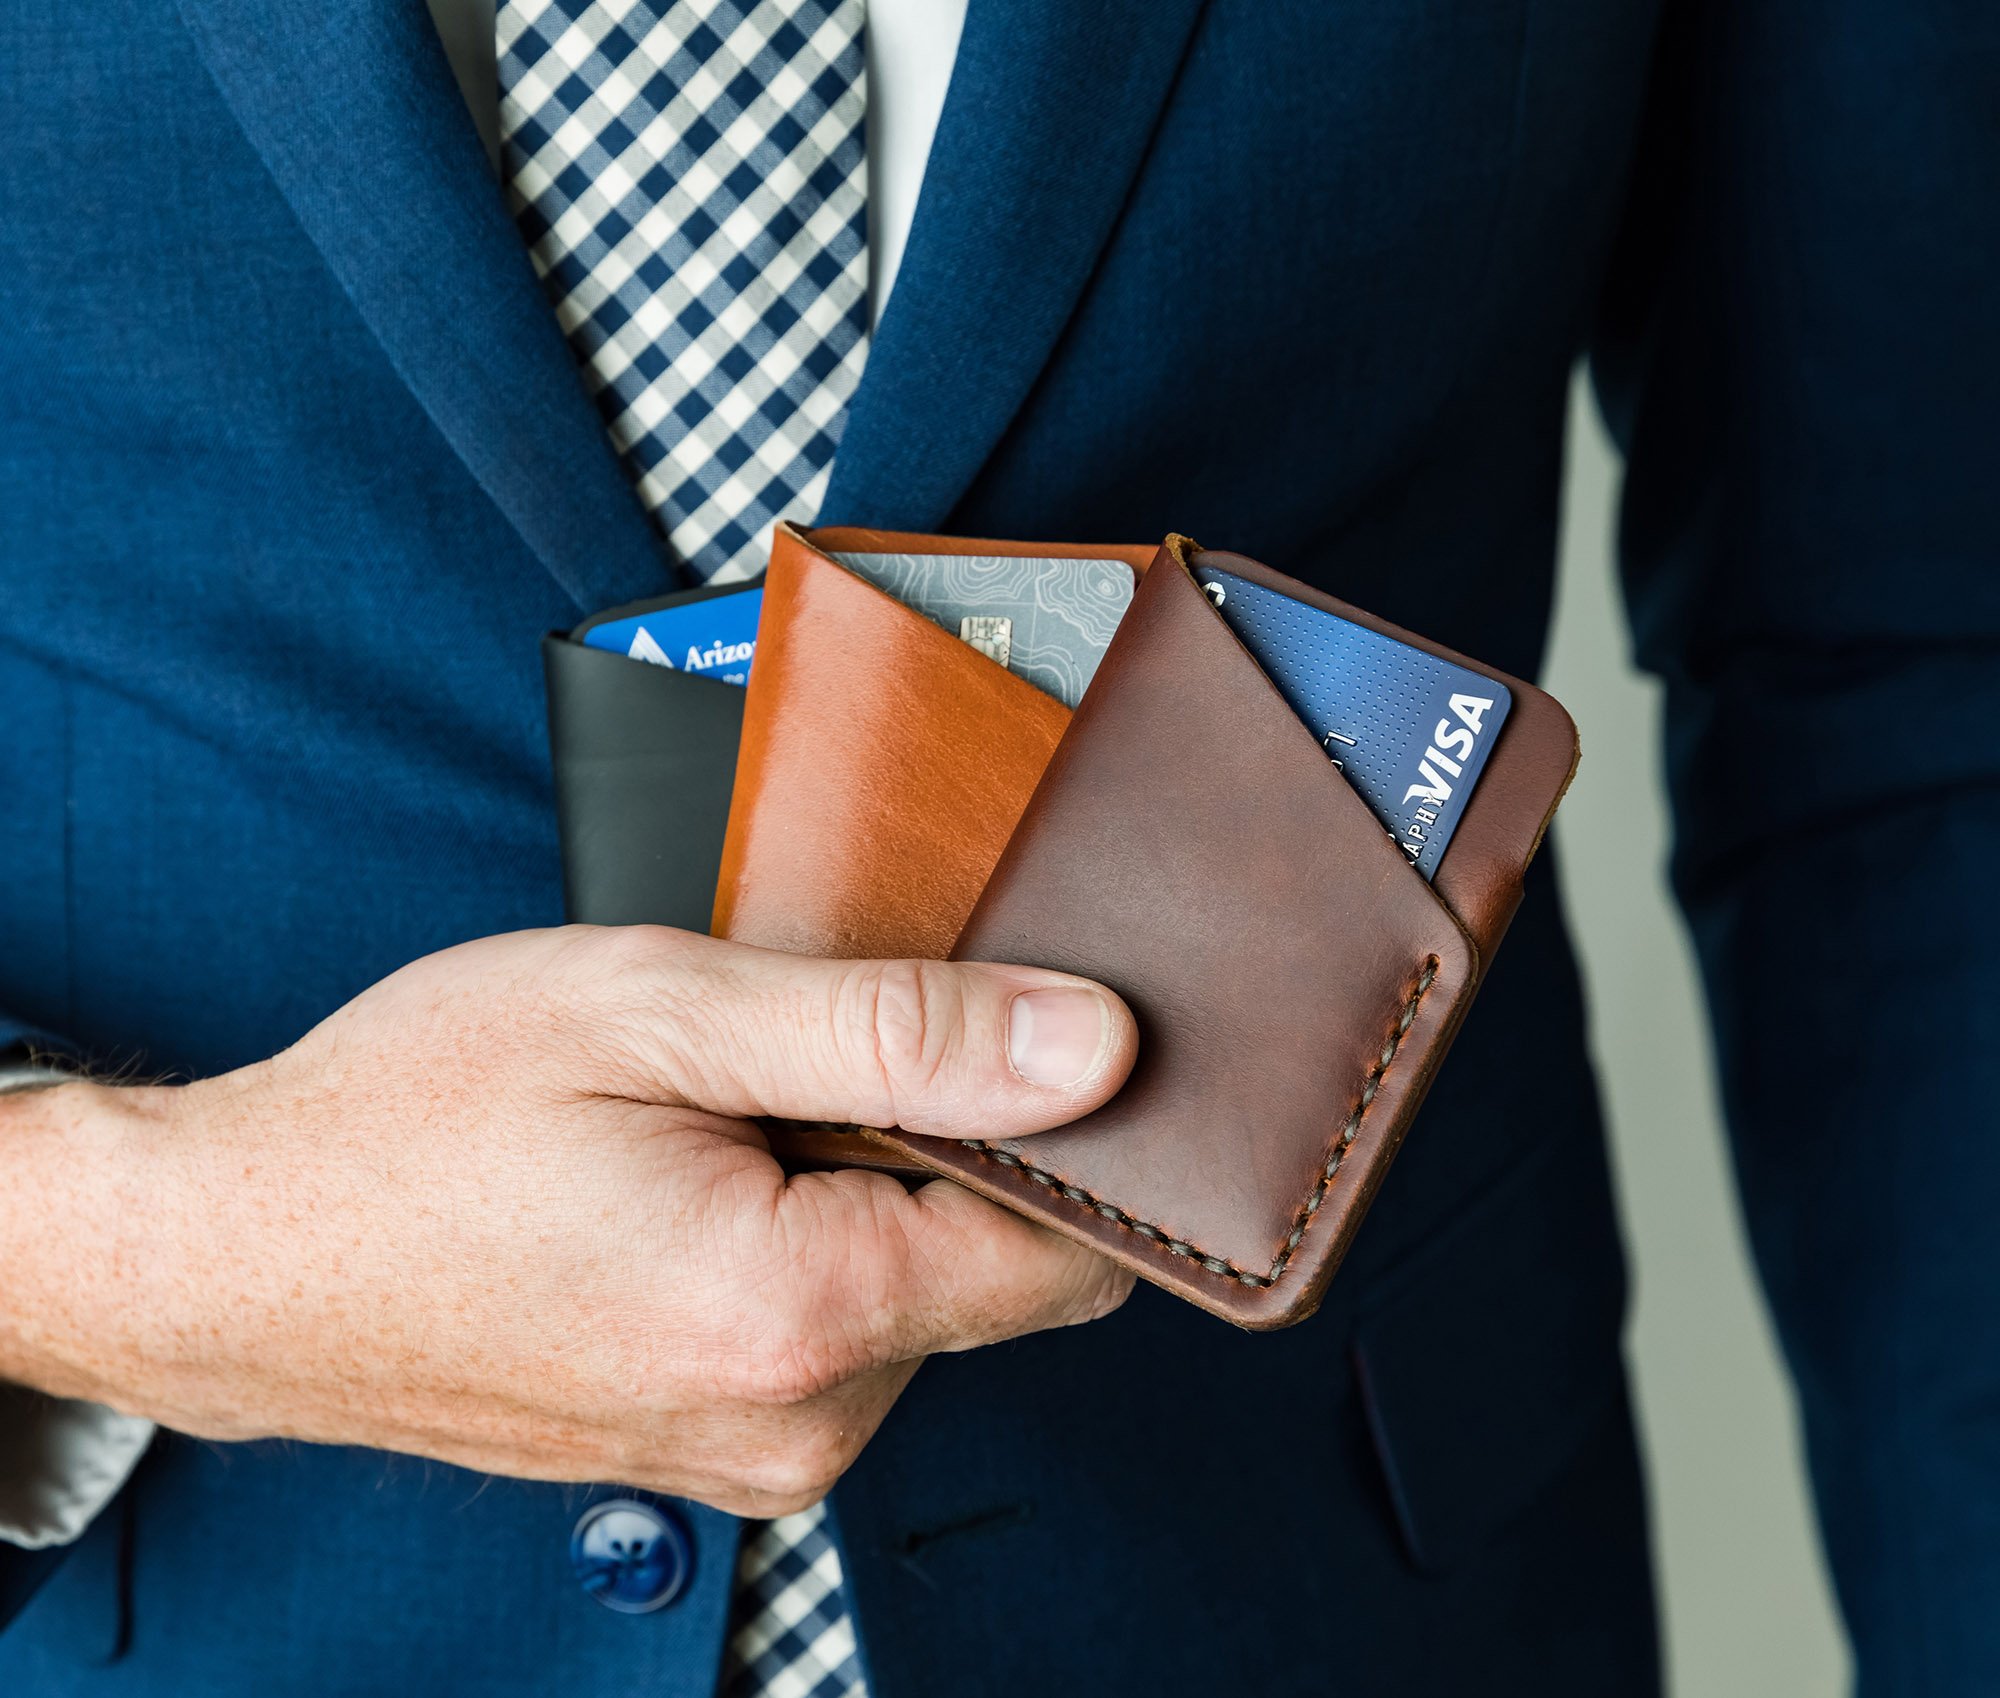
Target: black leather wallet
x=645 y=760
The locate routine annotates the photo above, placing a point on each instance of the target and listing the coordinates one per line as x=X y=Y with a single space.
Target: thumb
x=954 y=1049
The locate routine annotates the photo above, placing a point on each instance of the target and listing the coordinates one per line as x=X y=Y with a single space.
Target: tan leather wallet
x=1182 y=838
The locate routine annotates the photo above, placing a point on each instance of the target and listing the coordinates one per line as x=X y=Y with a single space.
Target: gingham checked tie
x=791 y=1635
x=690 y=179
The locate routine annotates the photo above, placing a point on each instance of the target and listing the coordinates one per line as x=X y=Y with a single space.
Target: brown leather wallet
x=1181 y=838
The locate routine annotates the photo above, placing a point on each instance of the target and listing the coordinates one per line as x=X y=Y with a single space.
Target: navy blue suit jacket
x=295 y=469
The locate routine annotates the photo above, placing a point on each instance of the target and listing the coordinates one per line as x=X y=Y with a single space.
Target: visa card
x=1409 y=731
x=710 y=631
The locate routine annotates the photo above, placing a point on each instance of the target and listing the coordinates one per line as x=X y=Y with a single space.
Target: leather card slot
x=1481 y=879
x=883 y=766
x=1329 y=774
x=1294 y=979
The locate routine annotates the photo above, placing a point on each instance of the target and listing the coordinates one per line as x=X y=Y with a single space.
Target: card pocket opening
x=889 y=608
x=1480 y=880
x=1333 y=772
x=884 y=763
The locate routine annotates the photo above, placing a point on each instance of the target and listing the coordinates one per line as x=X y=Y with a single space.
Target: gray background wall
x=1748 y=1612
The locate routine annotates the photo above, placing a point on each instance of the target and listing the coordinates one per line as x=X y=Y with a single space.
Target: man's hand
x=507 y=1209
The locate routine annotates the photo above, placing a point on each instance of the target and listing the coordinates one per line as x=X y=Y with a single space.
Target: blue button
x=631 y=1556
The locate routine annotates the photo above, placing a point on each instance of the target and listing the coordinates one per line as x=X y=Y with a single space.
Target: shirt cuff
x=61 y=1462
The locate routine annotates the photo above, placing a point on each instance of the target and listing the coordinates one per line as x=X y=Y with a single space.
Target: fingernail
x=1056 y=1036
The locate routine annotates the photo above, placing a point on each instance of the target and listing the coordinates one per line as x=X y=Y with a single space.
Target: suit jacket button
x=632 y=1557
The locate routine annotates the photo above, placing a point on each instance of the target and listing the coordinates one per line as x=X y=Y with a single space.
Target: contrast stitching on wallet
x=1342 y=1142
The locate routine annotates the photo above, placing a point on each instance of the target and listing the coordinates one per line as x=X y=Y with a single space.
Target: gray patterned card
x=1046 y=621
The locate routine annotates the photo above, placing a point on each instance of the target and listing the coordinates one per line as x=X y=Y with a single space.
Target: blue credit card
x=1409 y=731
x=711 y=632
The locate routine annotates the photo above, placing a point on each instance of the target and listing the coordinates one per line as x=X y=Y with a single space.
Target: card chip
x=991 y=634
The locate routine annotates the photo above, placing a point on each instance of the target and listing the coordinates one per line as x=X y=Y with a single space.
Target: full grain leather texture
x=883 y=764
x=1295 y=981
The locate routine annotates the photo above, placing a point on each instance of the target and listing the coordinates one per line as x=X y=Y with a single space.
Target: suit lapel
x=354 y=110
x=1050 y=109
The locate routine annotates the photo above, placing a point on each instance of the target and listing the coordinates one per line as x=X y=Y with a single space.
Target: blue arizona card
x=712 y=632
x=1409 y=731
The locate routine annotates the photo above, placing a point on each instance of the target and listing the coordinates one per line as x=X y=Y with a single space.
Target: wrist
x=81 y=1257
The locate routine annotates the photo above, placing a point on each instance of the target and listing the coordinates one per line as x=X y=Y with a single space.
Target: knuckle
x=901 y=1020
x=624 y=951
x=633 y=995
x=606 y=970
x=800 y=1471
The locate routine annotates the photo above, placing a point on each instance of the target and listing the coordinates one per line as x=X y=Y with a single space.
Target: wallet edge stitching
x=1301 y=1219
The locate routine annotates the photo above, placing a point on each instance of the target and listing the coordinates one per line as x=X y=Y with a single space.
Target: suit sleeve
x=1800 y=353
x=21 y=1042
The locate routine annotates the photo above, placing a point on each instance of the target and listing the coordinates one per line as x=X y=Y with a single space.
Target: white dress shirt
x=63 y=1461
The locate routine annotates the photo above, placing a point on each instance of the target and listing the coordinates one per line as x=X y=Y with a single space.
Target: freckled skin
x=508 y=1209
